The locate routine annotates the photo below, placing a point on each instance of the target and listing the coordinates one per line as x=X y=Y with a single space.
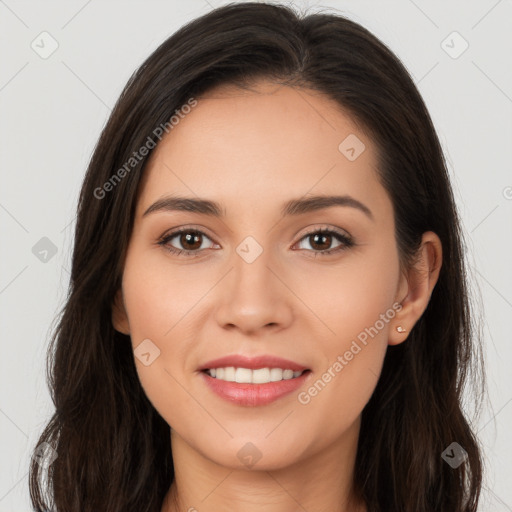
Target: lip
x=253 y=363
x=252 y=395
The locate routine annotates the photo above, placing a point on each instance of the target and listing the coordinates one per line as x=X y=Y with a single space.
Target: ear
x=119 y=316
x=417 y=286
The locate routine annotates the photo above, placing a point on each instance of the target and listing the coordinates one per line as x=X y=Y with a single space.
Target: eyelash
x=346 y=242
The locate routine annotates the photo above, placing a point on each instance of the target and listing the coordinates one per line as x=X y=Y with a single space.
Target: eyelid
x=186 y=227
x=171 y=233
x=346 y=240
x=319 y=227
x=201 y=229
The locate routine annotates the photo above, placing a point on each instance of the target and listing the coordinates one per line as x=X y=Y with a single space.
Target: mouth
x=248 y=376
x=254 y=381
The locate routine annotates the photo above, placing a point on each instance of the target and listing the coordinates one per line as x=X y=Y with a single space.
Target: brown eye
x=321 y=241
x=189 y=241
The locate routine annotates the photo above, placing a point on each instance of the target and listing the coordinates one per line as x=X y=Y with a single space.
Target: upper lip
x=253 y=363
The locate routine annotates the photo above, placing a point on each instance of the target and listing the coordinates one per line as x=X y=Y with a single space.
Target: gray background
x=52 y=111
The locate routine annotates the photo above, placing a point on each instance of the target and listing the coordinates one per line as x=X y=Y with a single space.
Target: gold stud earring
x=401 y=329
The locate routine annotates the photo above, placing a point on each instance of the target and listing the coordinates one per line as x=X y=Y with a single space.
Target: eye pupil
x=323 y=237
x=189 y=238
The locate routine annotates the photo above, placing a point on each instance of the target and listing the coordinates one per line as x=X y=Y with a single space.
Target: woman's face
x=258 y=281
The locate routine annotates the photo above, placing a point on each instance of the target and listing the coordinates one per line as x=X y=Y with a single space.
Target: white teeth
x=260 y=376
x=248 y=376
x=242 y=375
x=276 y=374
x=229 y=373
x=288 y=374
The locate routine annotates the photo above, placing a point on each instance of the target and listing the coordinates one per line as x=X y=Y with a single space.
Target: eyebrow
x=292 y=207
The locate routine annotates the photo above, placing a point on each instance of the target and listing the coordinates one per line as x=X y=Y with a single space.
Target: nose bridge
x=253 y=277
x=255 y=296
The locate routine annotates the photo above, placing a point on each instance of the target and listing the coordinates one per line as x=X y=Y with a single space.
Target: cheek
x=338 y=392
x=159 y=297
x=163 y=304
x=356 y=303
x=350 y=295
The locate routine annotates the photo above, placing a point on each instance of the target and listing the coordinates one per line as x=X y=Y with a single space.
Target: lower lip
x=252 y=395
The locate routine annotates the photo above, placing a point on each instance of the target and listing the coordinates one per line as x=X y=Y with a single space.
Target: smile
x=248 y=376
x=254 y=394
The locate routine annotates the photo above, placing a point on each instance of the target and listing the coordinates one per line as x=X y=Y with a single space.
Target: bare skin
x=251 y=151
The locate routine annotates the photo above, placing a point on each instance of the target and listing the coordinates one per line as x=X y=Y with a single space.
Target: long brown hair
x=108 y=448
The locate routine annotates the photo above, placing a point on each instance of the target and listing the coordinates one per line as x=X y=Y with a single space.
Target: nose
x=254 y=296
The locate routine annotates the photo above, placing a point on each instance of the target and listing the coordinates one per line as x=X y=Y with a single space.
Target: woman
x=268 y=306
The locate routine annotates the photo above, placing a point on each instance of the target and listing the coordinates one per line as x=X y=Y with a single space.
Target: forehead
x=260 y=145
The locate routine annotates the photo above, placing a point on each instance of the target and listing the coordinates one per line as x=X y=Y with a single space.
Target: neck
x=319 y=483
